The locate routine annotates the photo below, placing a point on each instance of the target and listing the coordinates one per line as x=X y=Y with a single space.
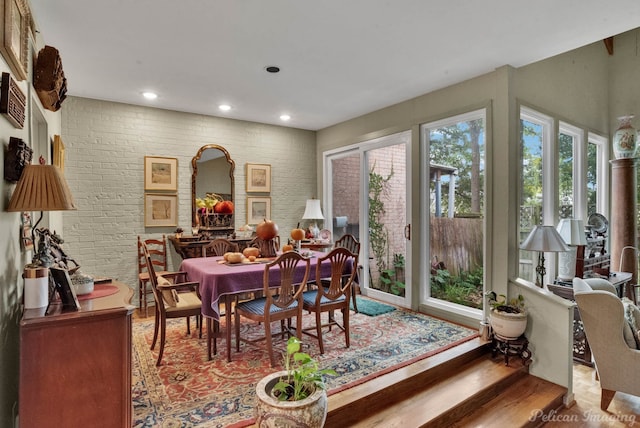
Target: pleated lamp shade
x=41 y=188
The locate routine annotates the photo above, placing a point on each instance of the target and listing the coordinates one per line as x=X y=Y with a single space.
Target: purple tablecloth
x=217 y=279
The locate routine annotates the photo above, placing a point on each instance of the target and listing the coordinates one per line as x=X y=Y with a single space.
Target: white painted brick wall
x=106 y=144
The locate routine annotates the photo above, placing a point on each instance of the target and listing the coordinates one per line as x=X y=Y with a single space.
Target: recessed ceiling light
x=150 y=95
x=272 y=68
x=285 y=117
x=224 y=107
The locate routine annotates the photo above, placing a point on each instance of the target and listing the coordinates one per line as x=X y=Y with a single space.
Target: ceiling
x=338 y=59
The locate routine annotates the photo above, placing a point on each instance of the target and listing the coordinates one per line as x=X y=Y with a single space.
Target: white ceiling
x=339 y=58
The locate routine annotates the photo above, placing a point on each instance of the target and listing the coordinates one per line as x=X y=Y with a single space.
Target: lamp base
x=567 y=264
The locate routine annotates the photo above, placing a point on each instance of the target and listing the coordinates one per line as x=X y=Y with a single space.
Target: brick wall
x=105 y=147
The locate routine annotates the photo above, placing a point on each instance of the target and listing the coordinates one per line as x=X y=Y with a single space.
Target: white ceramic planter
x=271 y=413
x=508 y=326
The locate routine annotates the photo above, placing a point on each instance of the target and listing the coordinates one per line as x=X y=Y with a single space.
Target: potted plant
x=295 y=396
x=508 y=317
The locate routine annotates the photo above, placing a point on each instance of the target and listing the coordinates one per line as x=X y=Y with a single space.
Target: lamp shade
x=312 y=210
x=41 y=188
x=544 y=238
x=572 y=231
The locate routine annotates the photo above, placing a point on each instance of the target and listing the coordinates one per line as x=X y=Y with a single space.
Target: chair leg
x=163 y=328
x=199 y=320
x=319 y=331
x=345 y=324
x=237 y=323
x=212 y=331
x=267 y=333
x=142 y=297
x=188 y=326
x=353 y=298
x=605 y=398
x=156 y=325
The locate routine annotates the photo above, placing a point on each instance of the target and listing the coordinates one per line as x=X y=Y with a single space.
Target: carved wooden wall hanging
x=48 y=79
x=12 y=101
x=17 y=157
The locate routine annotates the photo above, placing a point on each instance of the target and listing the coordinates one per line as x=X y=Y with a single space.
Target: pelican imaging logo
x=589 y=416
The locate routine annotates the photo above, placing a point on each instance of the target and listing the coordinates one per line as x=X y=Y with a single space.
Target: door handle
x=407 y=232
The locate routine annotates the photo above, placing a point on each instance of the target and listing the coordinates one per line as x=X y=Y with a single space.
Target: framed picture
x=25 y=234
x=58 y=152
x=258 y=177
x=66 y=291
x=258 y=209
x=160 y=210
x=160 y=173
x=14 y=36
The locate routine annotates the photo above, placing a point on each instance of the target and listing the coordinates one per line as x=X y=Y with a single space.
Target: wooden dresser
x=75 y=367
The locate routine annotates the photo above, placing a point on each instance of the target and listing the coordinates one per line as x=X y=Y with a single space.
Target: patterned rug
x=189 y=391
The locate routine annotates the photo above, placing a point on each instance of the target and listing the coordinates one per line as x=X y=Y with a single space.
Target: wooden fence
x=457 y=242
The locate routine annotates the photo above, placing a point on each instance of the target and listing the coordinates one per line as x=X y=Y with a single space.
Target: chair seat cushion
x=309 y=298
x=187 y=301
x=256 y=306
x=632 y=316
x=169 y=295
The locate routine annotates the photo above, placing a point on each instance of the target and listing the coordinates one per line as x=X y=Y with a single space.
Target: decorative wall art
x=160 y=173
x=13 y=37
x=58 y=152
x=16 y=158
x=12 y=101
x=160 y=210
x=26 y=238
x=48 y=78
x=258 y=177
x=258 y=209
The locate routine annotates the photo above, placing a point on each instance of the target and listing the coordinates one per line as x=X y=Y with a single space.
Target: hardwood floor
x=624 y=410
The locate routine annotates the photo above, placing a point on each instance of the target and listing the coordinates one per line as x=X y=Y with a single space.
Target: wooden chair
x=278 y=304
x=268 y=248
x=336 y=296
x=170 y=303
x=218 y=247
x=158 y=252
x=351 y=243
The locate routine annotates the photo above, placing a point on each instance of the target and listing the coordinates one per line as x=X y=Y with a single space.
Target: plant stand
x=511 y=348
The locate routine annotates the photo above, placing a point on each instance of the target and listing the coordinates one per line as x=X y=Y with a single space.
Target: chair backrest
x=290 y=285
x=148 y=259
x=218 y=247
x=349 y=242
x=342 y=260
x=157 y=250
x=267 y=248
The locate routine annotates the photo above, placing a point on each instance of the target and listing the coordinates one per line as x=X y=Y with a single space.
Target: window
x=455 y=209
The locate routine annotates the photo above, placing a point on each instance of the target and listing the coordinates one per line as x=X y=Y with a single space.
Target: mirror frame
x=194 y=174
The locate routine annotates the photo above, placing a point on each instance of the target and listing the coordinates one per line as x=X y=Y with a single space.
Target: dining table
x=223 y=281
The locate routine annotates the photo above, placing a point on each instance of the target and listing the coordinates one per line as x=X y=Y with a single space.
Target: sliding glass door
x=367 y=188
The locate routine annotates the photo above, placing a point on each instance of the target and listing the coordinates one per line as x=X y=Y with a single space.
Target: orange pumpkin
x=297 y=234
x=286 y=248
x=223 y=207
x=267 y=230
x=251 y=251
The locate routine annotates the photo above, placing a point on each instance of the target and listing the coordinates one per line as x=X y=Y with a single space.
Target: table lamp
x=543 y=239
x=313 y=212
x=572 y=232
x=41 y=188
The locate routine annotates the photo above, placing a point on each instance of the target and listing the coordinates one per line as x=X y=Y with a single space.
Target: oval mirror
x=212 y=173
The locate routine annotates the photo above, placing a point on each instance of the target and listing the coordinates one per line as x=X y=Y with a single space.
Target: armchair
x=603 y=316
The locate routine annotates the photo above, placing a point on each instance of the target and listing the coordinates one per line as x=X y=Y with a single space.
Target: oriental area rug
x=189 y=391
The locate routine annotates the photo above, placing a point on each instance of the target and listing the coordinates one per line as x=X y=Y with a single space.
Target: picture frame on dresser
x=160 y=173
x=62 y=285
x=13 y=40
x=258 y=177
x=160 y=210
